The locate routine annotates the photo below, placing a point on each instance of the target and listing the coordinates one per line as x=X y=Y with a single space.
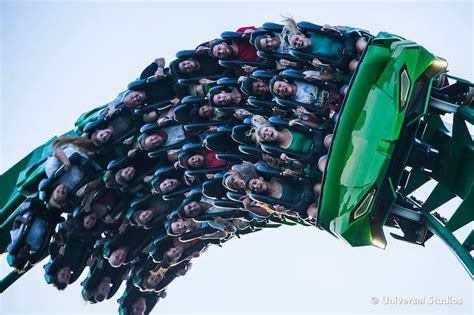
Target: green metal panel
x=417 y=179
x=463 y=215
x=369 y=71
x=87 y=117
x=366 y=135
x=9 y=178
x=453 y=243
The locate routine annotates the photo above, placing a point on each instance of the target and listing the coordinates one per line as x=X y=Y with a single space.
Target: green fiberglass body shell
x=387 y=96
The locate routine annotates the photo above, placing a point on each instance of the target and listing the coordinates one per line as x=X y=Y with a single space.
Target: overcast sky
x=61 y=59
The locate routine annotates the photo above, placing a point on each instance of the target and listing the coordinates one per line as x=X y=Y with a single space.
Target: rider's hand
x=160 y=62
x=67 y=166
x=279 y=208
x=316 y=62
x=248 y=69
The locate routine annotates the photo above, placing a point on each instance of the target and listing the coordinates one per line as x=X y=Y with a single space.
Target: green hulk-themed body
x=387 y=102
x=369 y=127
x=367 y=183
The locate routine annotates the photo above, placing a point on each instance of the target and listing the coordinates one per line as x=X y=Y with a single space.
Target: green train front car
x=377 y=125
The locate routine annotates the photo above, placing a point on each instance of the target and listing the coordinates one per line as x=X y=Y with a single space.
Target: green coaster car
x=390 y=140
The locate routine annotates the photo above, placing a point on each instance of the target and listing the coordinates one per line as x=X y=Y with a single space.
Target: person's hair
x=100 y=297
x=87 y=295
x=258 y=123
x=245 y=171
x=194 y=115
x=290 y=27
x=257 y=41
x=192 y=89
x=160 y=206
x=164 y=135
x=144 y=284
x=174 y=67
x=168 y=229
x=247 y=84
x=81 y=142
x=258 y=120
x=109 y=180
x=75 y=226
x=57 y=284
x=54 y=204
x=19 y=261
x=167 y=262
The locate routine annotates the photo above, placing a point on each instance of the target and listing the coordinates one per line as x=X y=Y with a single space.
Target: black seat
x=189 y=236
x=237 y=157
x=132 y=294
x=273 y=27
x=157 y=106
x=204 y=125
x=104 y=119
x=241 y=134
x=278 y=121
x=268 y=104
x=236 y=197
x=184 y=54
x=119 y=163
x=230 y=35
x=311 y=27
x=159 y=245
x=181 y=113
x=193 y=100
x=160 y=153
x=201 y=173
x=220 y=142
x=251 y=150
x=264 y=64
x=213 y=189
x=265 y=75
x=227 y=214
x=230 y=82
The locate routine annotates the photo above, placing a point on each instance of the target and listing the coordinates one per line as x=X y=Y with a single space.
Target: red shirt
x=211 y=160
x=246 y=51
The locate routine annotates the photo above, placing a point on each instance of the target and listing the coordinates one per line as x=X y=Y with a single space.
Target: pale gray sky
x=60 y=59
